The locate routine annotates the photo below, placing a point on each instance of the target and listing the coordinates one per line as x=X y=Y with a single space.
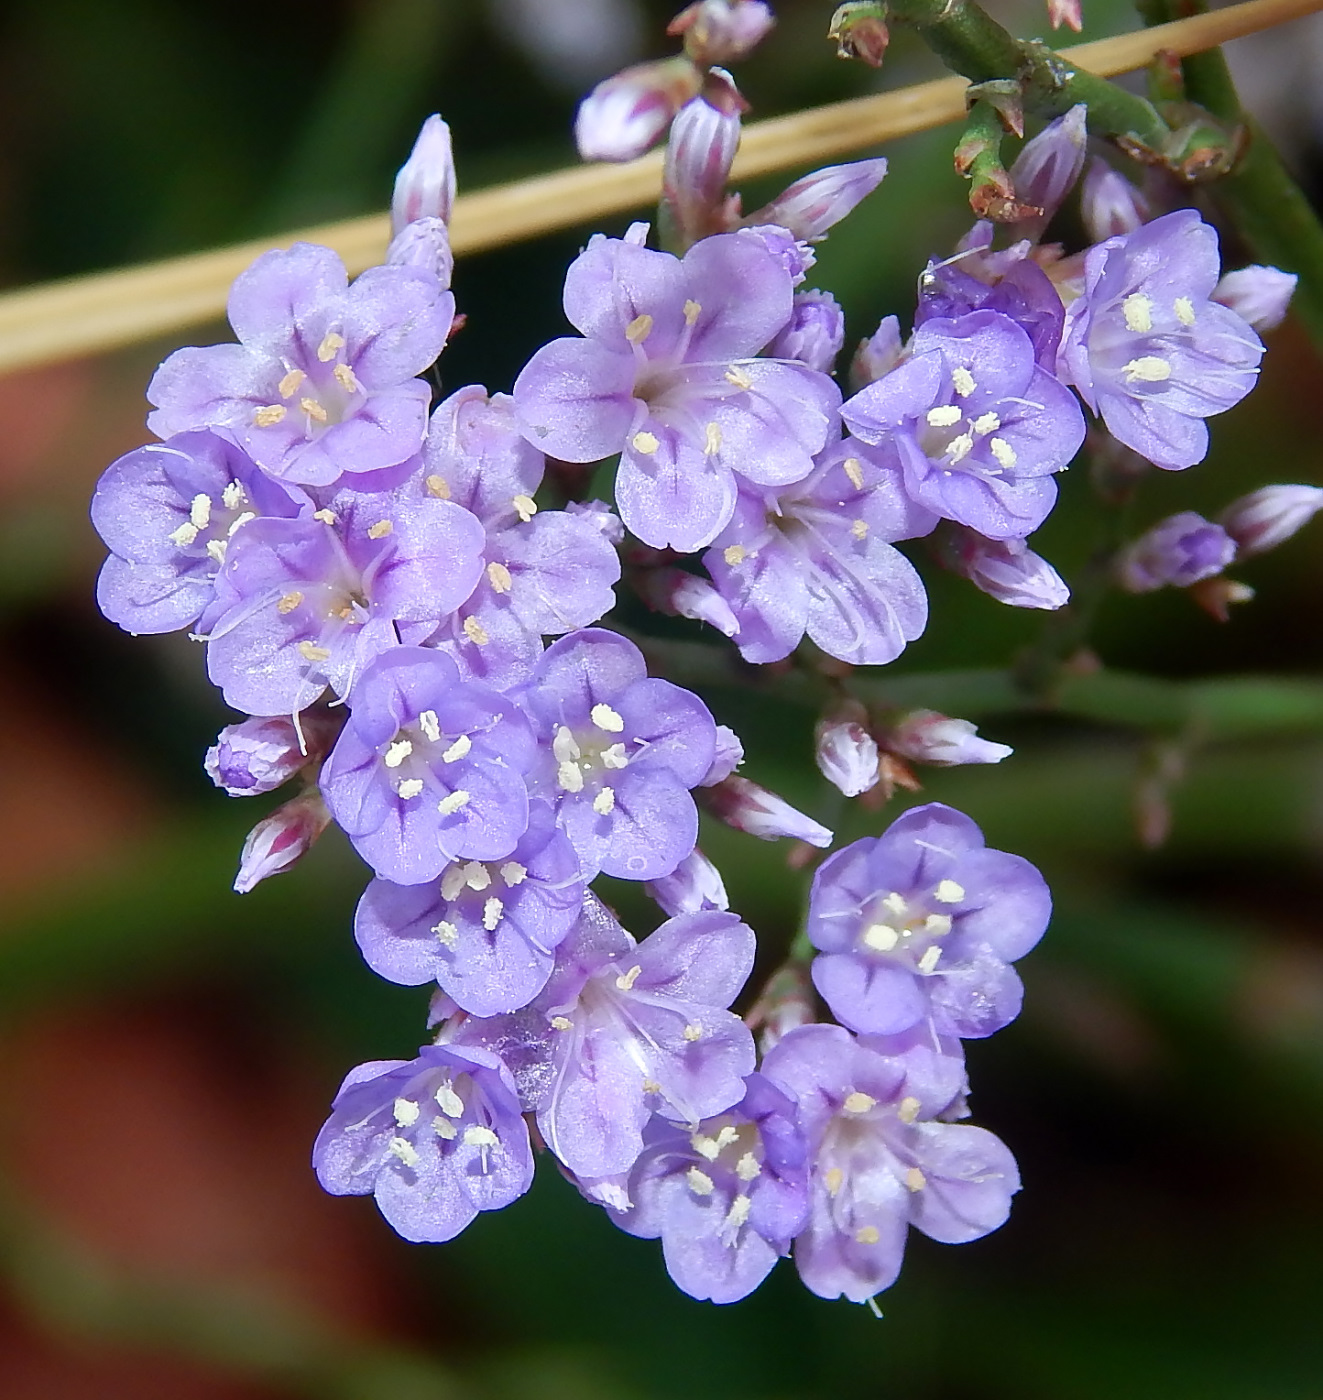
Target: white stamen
x=626 y=980
x=700 y=1183
x=475 y=632
x=1147 y=369
x=199 y=512
x=561 y=1023
x=397 y=753
x=289 y=602
x=430 y=725
x=726 y=1136
x=908 y=1110
x=738 y=1212
x=1003 y=452
x=915 y=1179
x=184 y=535
x=499 y=577
x=854 y=471
x=638 y=329
x=406 y=1112
x=881 y=938
x=833 y=1177
x=269 y=415
x=705 y=1146
x=564 y=746
x=946 y=416
x=693 y=1032
x=314 y=410
x=327 y=517
x=867 y=1234
x=733 y=554
x=409 y=787
x=1138 y=312
x=289 y=385
x=491 y=914
x=986 y=423
x=444 y=1128
x=615 y=757
x=478 y=1136
x=748 y=1167
x=604 y=717
x=459 y=749
x=438 y=487
x=736 y=376
x=449 y=1101
x=453 y=879
x=399 y=1147
x=525 y=507
x=446 y=933
x=451 y=804
x=692 y=310
x=858 y=1102
x=331 y=343
x=239 y=521
x=570 y=776
x=896 y=903
x=1184 y=309
x=931 y=957
x=476 y=876
x=937 y=924
x=380 y=530
x=232 y=495
x=948 y=892
x=310 y=651
x=960 y=447
x=513 y=873
x=216 y=549
x=646 y=443
x=859 y=529
x=605 y=801
x=964 y=381
x=712 y=439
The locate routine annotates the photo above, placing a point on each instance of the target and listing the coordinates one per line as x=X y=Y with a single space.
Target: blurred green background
x=169 y=1048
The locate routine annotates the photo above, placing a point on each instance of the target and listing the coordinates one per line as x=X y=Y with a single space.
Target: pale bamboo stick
x=99 y=312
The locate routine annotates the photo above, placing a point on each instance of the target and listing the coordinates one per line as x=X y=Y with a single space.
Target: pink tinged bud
x=694 y=885
x=754 y=810
x=721 y=31
x=699 y=153
x=1259 y=295
x=1269 y=516
x=679 y=594
x=627 y=113
x=1047 y=168
x=720 y=93
x=425 y=186
x=1007 y=570
x=810 y=206
x=924 y=736
x=876 y=356
x=281 y=839
x=424 y=243
x=728 y=757
x=1109 y=204
x=259 y=755
x=847 y=755
x=1067 y=12
x=784 y=1004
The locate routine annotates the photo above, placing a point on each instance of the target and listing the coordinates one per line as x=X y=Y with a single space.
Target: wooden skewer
x=82 y=315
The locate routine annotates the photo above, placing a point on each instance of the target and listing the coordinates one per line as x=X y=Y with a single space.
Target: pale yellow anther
x=314 y=410
x=475 y=631
x=310 y=651
x=748 y=1168
x=453 y=880
x=448 y=1101
x=945 y=416
x=380 y=530
x=948 y=892
x=232 y=495
x=216 y=548
x=960 y=447
x=895 y=903
x=854 y=470
x=1147 y=369
x=438 y=487
x=459 y=749
x=931 y=957
x=859 y=529
x=908 y=1109
x=604 y=717
x=712 y=439
x=453 y=802
x=726 y=1135
x=881 y=938
x=733 y=554
x=476 y=875
x=915 y=1179
x=184 y=535
x=1003 y=452
x=269 y=415
x=569 y=776
x=289 y=602
x=605 y=802
x=858 y=1102
x=444 y=1128
x=564 y=746
x=964 y=382
x=406 y=1112
x=693 y=1032
x=692 y=311
x=1184 y=309
x=736 y=376
x=705 y=1146
x=289 y=385
x=499 y=576
x=614 y=756
x=561 y=1023
x=346 y=379
x=430 y=725
x=650 y=1086
x=833 y=1177
x=513 y=873
x=525 y=507
x=446 y=933
x=397 y=752
x=644 y=442
x=240 y=521
x=327 y=517
x=331 y=345
x=937 y=925
x=199 y=511
x=1138 y=312
x=986 y=423
x=478 y=1136
x=409 y=788
x=626 y=980
x=399 y=1147
x=700 y=1183
x=867 y=1234
x=491 y=914
x=639 y=329
x=738 y=1212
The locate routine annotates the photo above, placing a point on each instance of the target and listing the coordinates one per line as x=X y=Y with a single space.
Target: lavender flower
x=1176 y=552
x=1259 y=295
x=815 y=558
x=815 y=333
x=1109 y=204
x=979 y=428
x=168 y=512
x=322 y=380
x=620 y=752
x=1147 y=349
x=694 y=885
x=922 y=922
x=260 y=755
x=626 y=1029
x=666 y=376
x=1007 y=570
x=435 y=1140
x=728 y=756
x=1269 y=517
x=429 y=769
x=882 y=1160
x=878 y=355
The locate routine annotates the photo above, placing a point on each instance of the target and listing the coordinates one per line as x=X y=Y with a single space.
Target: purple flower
x=725 y=1198
x=486 y=932
x=1258 y=295
x=1007 y=570
x=815 y=558
x=429 y=769
x=878 y=355
x=922 y=922
x=978 y=427
x=435 y=1140
x=544 y=572
x=1109 y=204
x=1269 y=517
x=815 y=333
x=626 y=1029
x=667 y=376
x=168 y=512
x=1176 y=552
x=322 y=380
x=694 y=885
x=882 y=1160
x=620 y=752
x=302 y=604
x=1147 y=349
x=260 y=755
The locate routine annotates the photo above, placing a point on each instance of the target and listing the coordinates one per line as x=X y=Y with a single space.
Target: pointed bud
x=1269 y=517
x=810 y=206
x=1067 y=12
x=281 y=839
x=814 y=334
x=876 y=356
x=1259 y=295
x=699 y=153
x=1007 y=570
x=928 y=737
x=259 y=755
x=847 y=753
x=727 y=758
x=425 y=186
x=678 y=594
x=694 y=885
x=860 y=31
x=722 y=31
x=1047 y=168
x=424 y=243
x=785 y=1003
x=627 y=113
x=753 y=809
x=1176 y=552
x=1109 y=204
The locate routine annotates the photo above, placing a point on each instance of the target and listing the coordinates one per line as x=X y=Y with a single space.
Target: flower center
x=908 y=932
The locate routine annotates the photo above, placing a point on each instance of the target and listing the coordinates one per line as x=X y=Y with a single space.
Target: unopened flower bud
x=1269 y=516
x=699 y=153
x=814 y=334
x=878 y=355
x=925 y=736
x=1109 y=204
x=846 y=752
x=784 y=1003
x=1217 y=596
x=860 y=30
x=425 y=186
x=281 y=839
x=1176 y=552
x=793 y=253
x=810 y=206
x=1067 y=12
x=680 y=594
x=694 y=885
x=601 y=517
x=727 y=758
x=259 y=755
x=1259 y=295
x=1047 y=168
x=1007 y=570
x=721 y=31
x=424 y=243
x=753 y=809
x=627 y=113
